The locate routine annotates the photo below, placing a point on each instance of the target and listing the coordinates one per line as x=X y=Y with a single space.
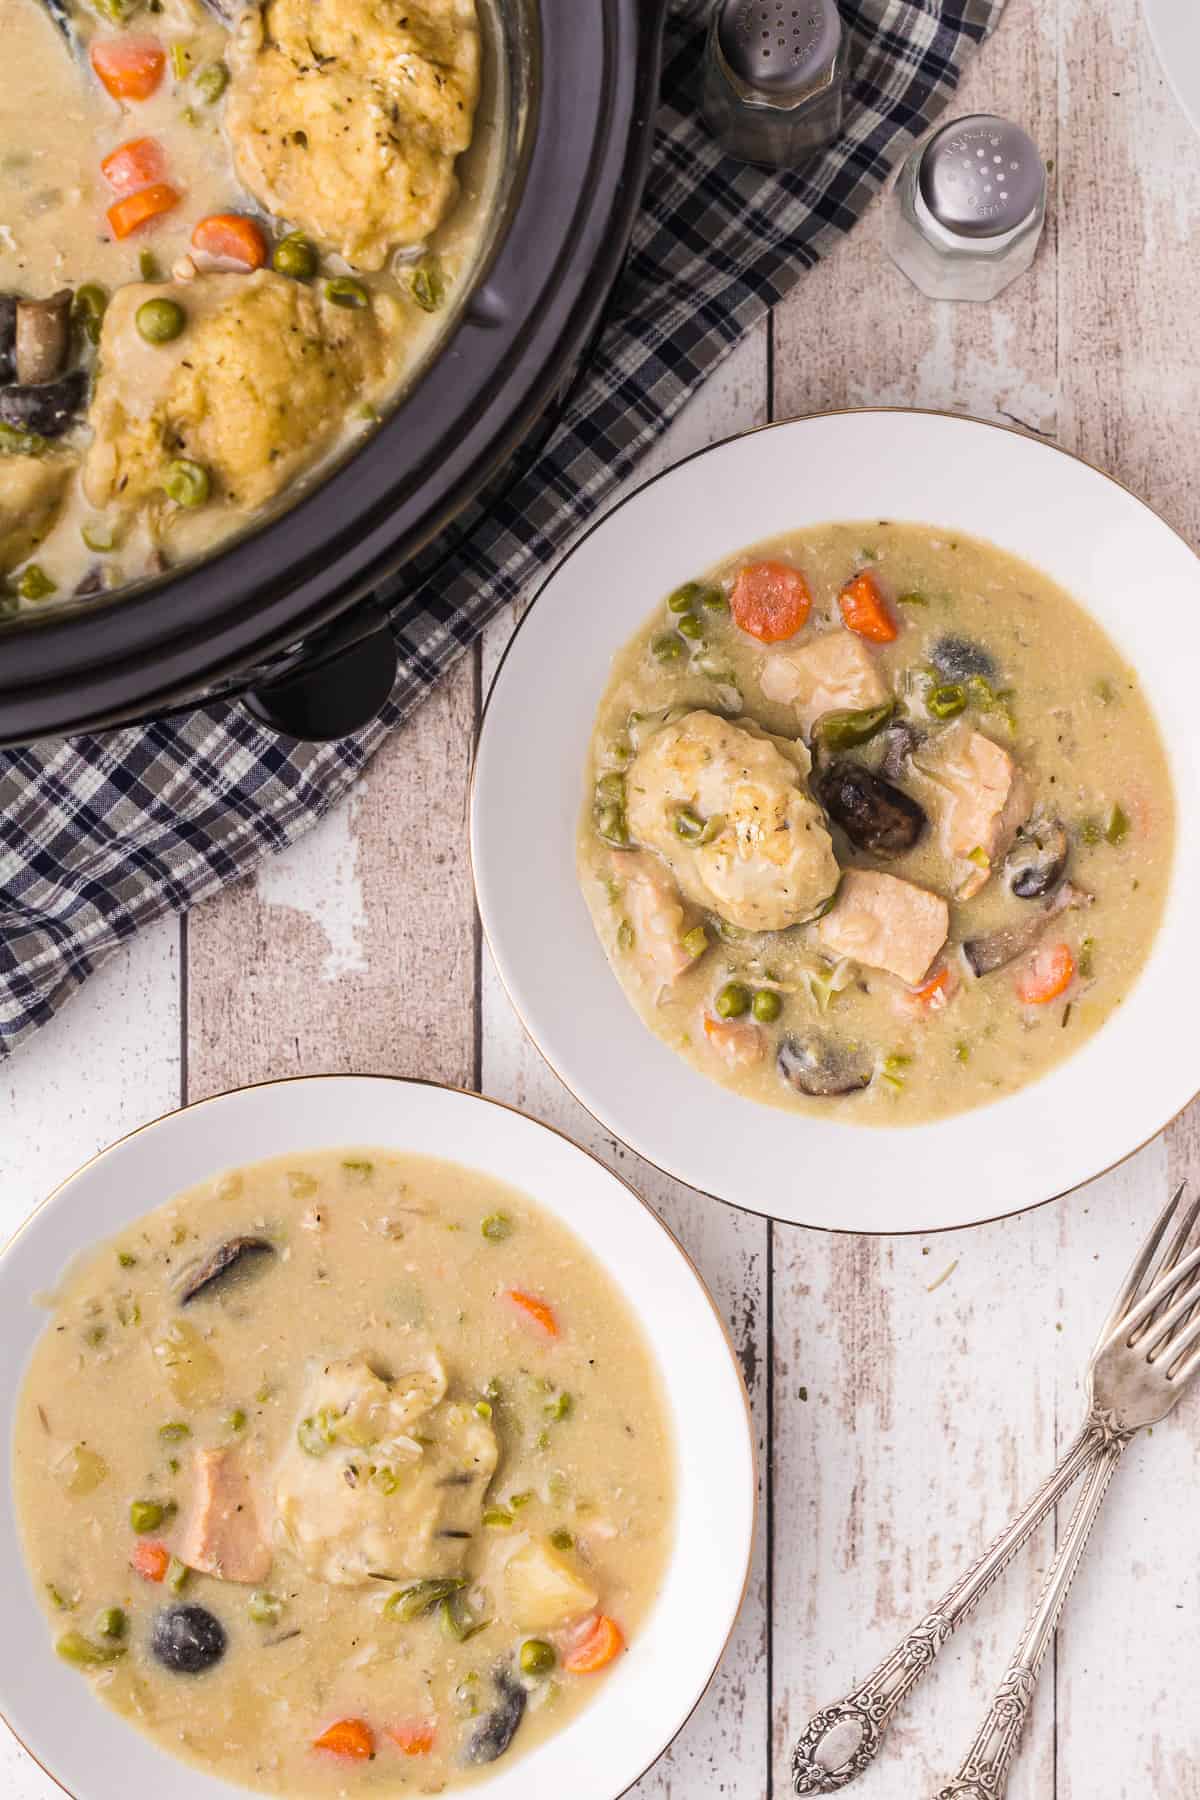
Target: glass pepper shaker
x=773 y=78
x=966 y=211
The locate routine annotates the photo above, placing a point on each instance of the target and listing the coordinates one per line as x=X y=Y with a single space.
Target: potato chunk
x=766 y=860
x=543 y=1589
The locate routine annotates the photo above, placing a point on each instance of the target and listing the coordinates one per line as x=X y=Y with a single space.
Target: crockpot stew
x=346 y=1472
x=227 y=233
x=878 y=823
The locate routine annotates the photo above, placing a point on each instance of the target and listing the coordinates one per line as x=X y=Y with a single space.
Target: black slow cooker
x=283 y=616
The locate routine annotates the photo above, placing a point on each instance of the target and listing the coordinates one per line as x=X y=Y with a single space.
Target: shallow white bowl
x=1135 y=575
x=1174 y=27
x=92 y=1752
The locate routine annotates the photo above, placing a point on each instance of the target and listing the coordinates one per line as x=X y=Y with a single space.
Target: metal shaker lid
x=980 y=176
x=779 y=48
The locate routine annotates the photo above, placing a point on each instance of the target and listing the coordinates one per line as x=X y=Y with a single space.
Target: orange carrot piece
x=150 y=1560
x=130 y=67
x=351 y=1738
x=934 y=993
x=535 y=1311
x=1048 y=974
x=414 y=1737
x=137 y=164
x=233 y=238
x=865 y=611
x=770 y=600
x=136 y=210
x=596 y=1648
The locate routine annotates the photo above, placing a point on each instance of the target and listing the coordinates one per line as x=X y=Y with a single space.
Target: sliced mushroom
x=873 y=814
x=957 y=658
x=818 y=1067
x=899 y=742
x=995 y=949
x=496 y=1730
x=43 y=337
x=48 y=409
x=1037 y=861
x=8 y=336
x=231 y=1255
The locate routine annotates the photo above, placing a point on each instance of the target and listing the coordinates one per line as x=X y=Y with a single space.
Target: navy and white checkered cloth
x=101 y=834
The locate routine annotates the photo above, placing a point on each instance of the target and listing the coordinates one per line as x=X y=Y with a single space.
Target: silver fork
x=1147 y=1352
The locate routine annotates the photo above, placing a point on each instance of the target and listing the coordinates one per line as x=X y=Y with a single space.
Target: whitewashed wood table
x=901 y=1416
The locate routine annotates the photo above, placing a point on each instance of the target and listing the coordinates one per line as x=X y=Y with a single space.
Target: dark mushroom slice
x=496 y=1730
x=899 y=742
x=8 y=336
x=995 y=949
x=818 y=1067
x=234 y=1254
x=43 y=339
x=958 y=658
x=1037 y=861
x=873 y=814
x=49 y=408
x=187 y=1639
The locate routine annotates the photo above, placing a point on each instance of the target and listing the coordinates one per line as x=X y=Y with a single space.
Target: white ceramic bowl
x=93 y=1753
x=1174 y=27
x=1135 y=575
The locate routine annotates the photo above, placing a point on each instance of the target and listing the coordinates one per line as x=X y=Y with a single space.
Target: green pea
x=483 y=1409
x=733 y=1000
x=684 y=598
x=236 y=1420
x=211 y=84
x=188 y=483
x=947 y=700
x=146 y=1515
x=537 y=1657
x=264 y=1608
x=160 y=321
x=33 y=583
x=112 y=1623
x=89 y=307
x=767 y=1006
x=562 y=1540
x=496 y=1227
x=668 y=648
x=343 y=290
x=691 y=627
x=295 y=256
x=713 y=600
x=428 y=286
x=82 y=1653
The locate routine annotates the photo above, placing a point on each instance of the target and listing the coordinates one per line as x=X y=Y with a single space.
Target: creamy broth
x=883 y=877
x=71 y=519
x=409 y=1452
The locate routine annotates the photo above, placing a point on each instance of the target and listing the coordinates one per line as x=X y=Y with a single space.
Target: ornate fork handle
x=843 y=1739
x=984 y=1771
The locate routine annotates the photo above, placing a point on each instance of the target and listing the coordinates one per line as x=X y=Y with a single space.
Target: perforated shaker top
x=778 y=46
x=980 y=176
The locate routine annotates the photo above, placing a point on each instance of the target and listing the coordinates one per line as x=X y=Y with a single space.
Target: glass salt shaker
x=966 y=211
x=773 y=78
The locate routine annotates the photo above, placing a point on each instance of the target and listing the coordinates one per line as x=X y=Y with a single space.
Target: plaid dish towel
x=102 y=834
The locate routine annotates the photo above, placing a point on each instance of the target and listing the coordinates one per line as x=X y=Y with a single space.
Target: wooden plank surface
x=900 y=1416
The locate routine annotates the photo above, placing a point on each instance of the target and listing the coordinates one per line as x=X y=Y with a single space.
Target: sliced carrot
x=232 y=237
x=352 y=1738
x=136 y=210
x=596 y=1648
x=150 y=1560
x=137 y=164
x=415 y=1737
x=865 y=611
x=130 y=67
x=770 y=600
x=535 y=1311
x=1048 y=974
x=934 y=993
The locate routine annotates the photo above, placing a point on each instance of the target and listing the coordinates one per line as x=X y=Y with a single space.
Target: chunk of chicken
x=885 y=923
x=346 y=116
x=829 y=673
x=543 y=1590
x=769 y=861
x=357 y=1490
x=223 y=1535
x=739 y=1041
x=657 y=916
x=981 y=797
x=31 y=493
x=254 y=388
